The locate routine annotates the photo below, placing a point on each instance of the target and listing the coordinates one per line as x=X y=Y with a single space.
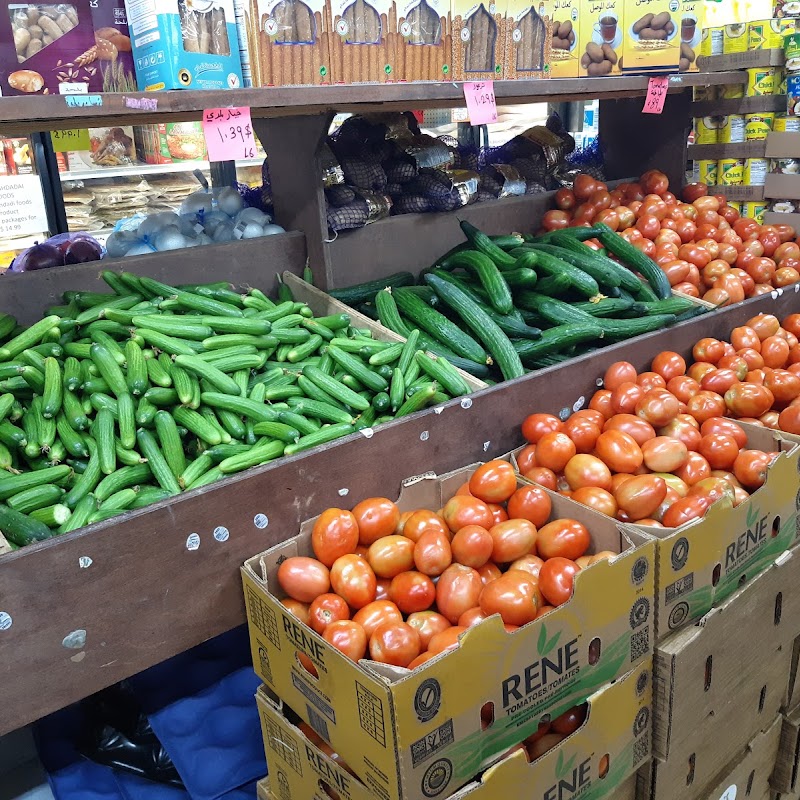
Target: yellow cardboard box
x=566 y=44
x=480 y=31
x=690 y=29
x=602 y=27
x=651 y=41
x=705 y=561
x=597 y=761
x=722 y=681
x=406 y=734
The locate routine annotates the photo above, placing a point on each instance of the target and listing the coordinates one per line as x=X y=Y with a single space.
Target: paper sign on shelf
x=656 y=95
x=229 y=134
x=481 y=103
x=75 y=139
x=22 y=209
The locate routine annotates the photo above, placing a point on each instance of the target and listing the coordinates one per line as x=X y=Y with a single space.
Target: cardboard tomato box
x=596 y=761
x=784 y=777
x=703 y=562
x=723 y=681
x=418 y=734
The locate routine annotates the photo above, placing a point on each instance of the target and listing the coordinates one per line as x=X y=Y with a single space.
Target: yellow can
x=707 y=172
x=755 y=171
x=730 y=171
x=761 y=81
x=732 y=91
x=712 y=42
x=767 y=34
x=735 y=38
x=757 y=126
x=754 y=210
x=786 y=124
x=706 y=93
x=731 y=129
x=735 y=205
x=705 y=130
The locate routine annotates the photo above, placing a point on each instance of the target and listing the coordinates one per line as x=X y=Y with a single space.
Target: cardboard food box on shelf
x=703 y=562
x=114 y=48
x=291 y=42
x=171 y=142
x=109 y=148
x=690 y=31
x=529 y=40
x=651 y=40
x=181 y=44
x=564 y=17
x=784 y=776
x=402 y=732
x=598 y=760
x=602 y=26
x=425 y=46
x=479 y=39
x=50 y=48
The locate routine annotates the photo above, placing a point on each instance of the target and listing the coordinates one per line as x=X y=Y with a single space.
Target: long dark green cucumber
x=361 y=292
x=580 y=281
x=554 y=340
x=482 y=243
x=489 y=275
x=623 y=279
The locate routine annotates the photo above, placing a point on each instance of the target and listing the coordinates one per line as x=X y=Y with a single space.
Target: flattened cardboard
x=597 y=761
x=479 y=39
x=782 y=187
x=394 y=727
x=784 y=776
x=720 y=682
x=702 y=563
x=290 y=42
x=781 y=144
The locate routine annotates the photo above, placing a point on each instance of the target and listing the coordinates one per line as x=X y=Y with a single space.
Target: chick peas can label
x=732 y=91
x=705 y=130
x=755 y=171
x=730 y=171
x=731 y=131
x=735 y=38
x=757 y=126
x=761 y=81
x=767 y=34
x=707 y=172
x=785 y=124
x=754 y=210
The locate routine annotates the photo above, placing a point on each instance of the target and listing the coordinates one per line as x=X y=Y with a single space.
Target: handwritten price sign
x=229 y=134
x=75 y=139
x=656 y=95
x=481 y=104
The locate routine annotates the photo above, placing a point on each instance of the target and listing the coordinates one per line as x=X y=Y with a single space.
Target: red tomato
x=658 y=407
x=325 y=609
x=512 y=540
x=422 y=521
x=432 y=553
x=651 y=380
x=747 y=400
x=694 y=470
x=619 y=451
x=335 y=533
x=557 y=580
x=394 y=643
x=586 y=470
x=682 y=431
x=723 y=425
x=685 y=510
x=376 y=613
x=555 y=220
x=303 y=579
x=427 y=624
x=641 y=496
x=543 y=476
x=570 y=720
x=488 y=572
x=618 y=373
x=625 y=397
x=554 y=450
x=669 y=365
x=446 y=640
x=530 y=503
x=601 y=401
x=567 y=538
x=583 y=186
x=353 y=579
x=750 y=468
x=638 y=429
x=789 y=419
x=709 y=350
x=664 y=454
x=376 y=517
x=530 y=564
x=705 y=405
x=513 y=595
x=471 y=617
x=598 y=499
x=391 y=555
x=457 y=591
x=299 y=610
x=719 y=381
x=655 y=182
x=412 y=591
x=472 y=546
x=462 y=511
x=526 y=458
x=719 y=449
x=775 y=352
x=583 y=432
x=382 y=588
x=348 y=637
x=493 y=482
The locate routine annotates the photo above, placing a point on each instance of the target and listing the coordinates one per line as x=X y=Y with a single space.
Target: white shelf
x=145 y=169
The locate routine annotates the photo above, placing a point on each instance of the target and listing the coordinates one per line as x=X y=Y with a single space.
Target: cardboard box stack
x=414 y=735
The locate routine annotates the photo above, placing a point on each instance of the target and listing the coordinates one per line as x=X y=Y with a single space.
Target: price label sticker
x=229 y=134
x=75 y=139
x=481 y=104
x=656 y=95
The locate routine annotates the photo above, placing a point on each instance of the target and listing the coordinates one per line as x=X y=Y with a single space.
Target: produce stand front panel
x=90 y=608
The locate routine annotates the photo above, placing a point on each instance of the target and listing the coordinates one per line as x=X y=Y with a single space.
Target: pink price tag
x=656 y=95
x=229 y=134
x=481 y=104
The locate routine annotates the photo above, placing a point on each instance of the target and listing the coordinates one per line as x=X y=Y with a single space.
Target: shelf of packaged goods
x=140 y=588
x=20 y=114
x=135 y=170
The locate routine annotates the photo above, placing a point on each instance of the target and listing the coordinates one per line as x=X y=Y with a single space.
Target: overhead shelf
x=133 y=170
x=22 y=115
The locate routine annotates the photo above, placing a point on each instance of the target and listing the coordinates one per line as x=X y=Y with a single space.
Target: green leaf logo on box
x=545 y=645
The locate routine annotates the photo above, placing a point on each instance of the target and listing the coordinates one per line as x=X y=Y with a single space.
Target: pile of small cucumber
x=116 y=401
x=499 y=306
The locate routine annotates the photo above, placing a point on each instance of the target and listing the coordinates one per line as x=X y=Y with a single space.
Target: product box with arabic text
x=479 y=39
x=564 y=17
x=403 y=732
x=596 y=761
x=529 y=40
x=602 y=27
x=185 y=44
x=651 y=38
x=703 y=562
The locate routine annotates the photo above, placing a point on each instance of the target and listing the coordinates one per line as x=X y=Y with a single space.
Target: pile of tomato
x=659 y=447
x=703 y=244
x=402 y=587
